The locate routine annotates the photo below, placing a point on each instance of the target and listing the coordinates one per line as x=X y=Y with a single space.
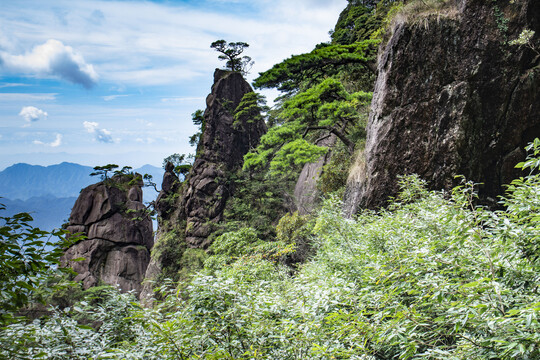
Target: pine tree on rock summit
x=231 y=53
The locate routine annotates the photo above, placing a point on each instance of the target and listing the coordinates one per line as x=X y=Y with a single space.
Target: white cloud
x=57 y=142
x=112 y=97
x=159 y=43
x=101 y=135
x=14 y=97
x=32 y=113
x=52 y=58
x=90 y=126
x=145 y=122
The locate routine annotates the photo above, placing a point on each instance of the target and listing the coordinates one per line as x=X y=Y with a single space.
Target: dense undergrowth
x=431 y=277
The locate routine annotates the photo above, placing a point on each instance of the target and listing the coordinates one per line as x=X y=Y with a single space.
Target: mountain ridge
x=22 y=181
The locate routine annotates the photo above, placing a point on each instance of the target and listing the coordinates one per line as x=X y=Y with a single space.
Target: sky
x=98 y=82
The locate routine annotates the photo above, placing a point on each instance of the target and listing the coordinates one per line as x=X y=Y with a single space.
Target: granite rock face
x=188 y=211
x=170 y=188
x=306 y=194
x=220 y=152
x=452 y=97
x=119 y=235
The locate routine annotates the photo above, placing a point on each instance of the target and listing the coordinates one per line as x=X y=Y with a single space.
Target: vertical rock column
x=220 y=152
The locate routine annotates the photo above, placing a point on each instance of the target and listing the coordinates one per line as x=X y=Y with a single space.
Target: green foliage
x=525 y=39
x=230 y=246
x=175 y=159
x=198 y=119
x=326 y=60
x=502 y=21
x=168 y=251
x=296 y=230
x=432 y=277
x=259 y=202
x=523 y=205
x=252 y=106
x=335 y=173
x=87 y=330
x=192 y=260
x=231 y=53
x=295 y=154
x=359 y=20
x=326 y=108
x=180 y=161
x=103 y=171
x=234 y=252
x=29 y=259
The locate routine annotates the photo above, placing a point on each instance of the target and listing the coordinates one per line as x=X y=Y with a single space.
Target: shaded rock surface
x=119 y=235
x=189 y=211
x=220 y=152
x=452 y=97
x=306 y=194
x=167 y=197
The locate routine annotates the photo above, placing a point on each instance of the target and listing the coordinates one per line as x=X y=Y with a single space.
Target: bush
x=431 y=277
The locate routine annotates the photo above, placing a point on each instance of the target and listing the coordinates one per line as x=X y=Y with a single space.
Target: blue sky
x=99 y=82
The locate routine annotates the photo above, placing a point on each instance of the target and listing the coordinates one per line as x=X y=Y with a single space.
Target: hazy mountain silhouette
x=49 y=192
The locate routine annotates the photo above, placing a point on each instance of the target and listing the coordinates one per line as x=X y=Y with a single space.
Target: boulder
x=118 y=233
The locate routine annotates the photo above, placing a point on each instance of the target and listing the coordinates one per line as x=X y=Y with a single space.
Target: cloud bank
x=31 y=113
x=52 y=58
x=101 y=135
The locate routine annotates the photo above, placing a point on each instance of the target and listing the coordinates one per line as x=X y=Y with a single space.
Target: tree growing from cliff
x=232 y=53
x=181 y=165
x=103 y=171
x=198 y=119
x=307 y=118
x=306 y=70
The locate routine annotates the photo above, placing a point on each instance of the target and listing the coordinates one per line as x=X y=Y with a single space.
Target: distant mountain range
x=49 y=192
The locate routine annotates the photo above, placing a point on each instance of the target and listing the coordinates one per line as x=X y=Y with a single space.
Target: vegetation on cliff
x=431 y=277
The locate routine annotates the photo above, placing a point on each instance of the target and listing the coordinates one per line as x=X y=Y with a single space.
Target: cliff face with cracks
x=119 y=235
x=220 y=152
x=452 y=97
x=191 y=210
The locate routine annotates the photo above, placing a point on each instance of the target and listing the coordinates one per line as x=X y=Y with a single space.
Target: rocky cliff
x=306 y=194
x=118 y=233
x=189 y=211
x=452 y=97
x=220 y=152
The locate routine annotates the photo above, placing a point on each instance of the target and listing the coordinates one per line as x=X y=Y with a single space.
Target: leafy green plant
x=431 y=277
x=323 y=110
x=29 y=259
x=525 y=39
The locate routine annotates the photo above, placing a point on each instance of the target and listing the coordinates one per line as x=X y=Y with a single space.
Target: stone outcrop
x=188 y=211
x=170 y=188
x=220 y=152
x=452 y=97
x=306 y=194
x=118 y=233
